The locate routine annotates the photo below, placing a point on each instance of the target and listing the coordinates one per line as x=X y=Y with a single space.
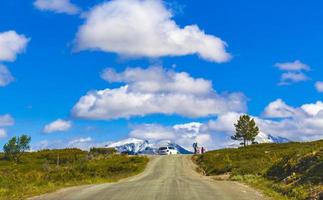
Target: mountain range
x=141 y=146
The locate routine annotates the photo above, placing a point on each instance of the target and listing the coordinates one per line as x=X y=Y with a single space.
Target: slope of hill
x=292 y=170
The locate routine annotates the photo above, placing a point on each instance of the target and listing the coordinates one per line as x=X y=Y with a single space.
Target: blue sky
x=51 y=73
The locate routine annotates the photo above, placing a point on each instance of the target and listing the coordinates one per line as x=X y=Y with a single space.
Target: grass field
x=49 y=170
x=282 y=171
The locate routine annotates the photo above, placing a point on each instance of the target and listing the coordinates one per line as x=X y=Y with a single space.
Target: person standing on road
x=195 y=147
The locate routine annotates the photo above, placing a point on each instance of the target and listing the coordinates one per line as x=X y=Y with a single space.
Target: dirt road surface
x=165 y=178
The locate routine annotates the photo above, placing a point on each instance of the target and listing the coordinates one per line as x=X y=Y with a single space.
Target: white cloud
x=292 y=66
x=292 y=77
x=294 y=72
x=58 y=6
x=319 y=86
x=313 y=108
x=299 y=123
x=304 y=123
x=165 y=92
x=58 y=125
x=152 y=132
x=5 y=76
x=279 y=109
x=3 y=133
x=182 y=134
x=145 y=28
x=157 y=79
x=84 y=143
x=6 y=120
x=11 y=44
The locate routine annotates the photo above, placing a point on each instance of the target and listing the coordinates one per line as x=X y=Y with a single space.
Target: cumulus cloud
x=5 y=76
x=145 y=28
x=294 y=72
x=58 y=125
x=81 y=143
x=292 y=77
x=156 y=90
x=279 y=109
x=313 y=108
x=292 y=66
x=11 y=44
x=3 y=133
x=157 y=79
x=58 y=6
x=152 y=132
x=6 y=120
x=319 y=86
x=84 y=143
x=182 y=134
x=301 y=123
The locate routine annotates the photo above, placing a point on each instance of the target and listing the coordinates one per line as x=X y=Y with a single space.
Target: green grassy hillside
x=49 y=170
x=284 y=171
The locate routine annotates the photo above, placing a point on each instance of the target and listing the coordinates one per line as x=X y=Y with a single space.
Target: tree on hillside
x=246 y=130
x=16 y=147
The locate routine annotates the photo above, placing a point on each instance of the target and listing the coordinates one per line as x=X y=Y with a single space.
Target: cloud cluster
x=278 y=109
x=294 y=72
x=156 y=90
x=84 y=143
x=145 y=28
x=58 y=125
x=58 y=6
x=5 y=76
x=3 y=133
x=11 y=44
x=5 y=120
x=319 y=86
x=304 y=123
x=292 y=66
x=182 y=134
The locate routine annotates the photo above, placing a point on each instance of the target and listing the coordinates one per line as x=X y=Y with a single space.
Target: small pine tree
x=246 y=130
x=16 y=146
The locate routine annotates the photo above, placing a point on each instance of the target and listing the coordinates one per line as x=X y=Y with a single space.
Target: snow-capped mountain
x=263 y=138
x=139 y=146
x=267 y=138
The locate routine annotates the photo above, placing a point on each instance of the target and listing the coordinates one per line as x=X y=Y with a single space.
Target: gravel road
x=165 y=178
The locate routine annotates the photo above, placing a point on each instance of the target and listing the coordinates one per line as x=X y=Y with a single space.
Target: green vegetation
x=246 y=130
x=16 y=147
x=98 y=151
x=48 y=170
x=283 y=171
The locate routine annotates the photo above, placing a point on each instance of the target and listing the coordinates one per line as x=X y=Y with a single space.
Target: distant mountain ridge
x=140 y=146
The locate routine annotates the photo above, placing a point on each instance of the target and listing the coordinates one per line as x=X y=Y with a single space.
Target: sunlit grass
x=49 y=170
x=292 y=170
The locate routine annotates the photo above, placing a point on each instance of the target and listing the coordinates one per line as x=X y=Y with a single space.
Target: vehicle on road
x=167 y=150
